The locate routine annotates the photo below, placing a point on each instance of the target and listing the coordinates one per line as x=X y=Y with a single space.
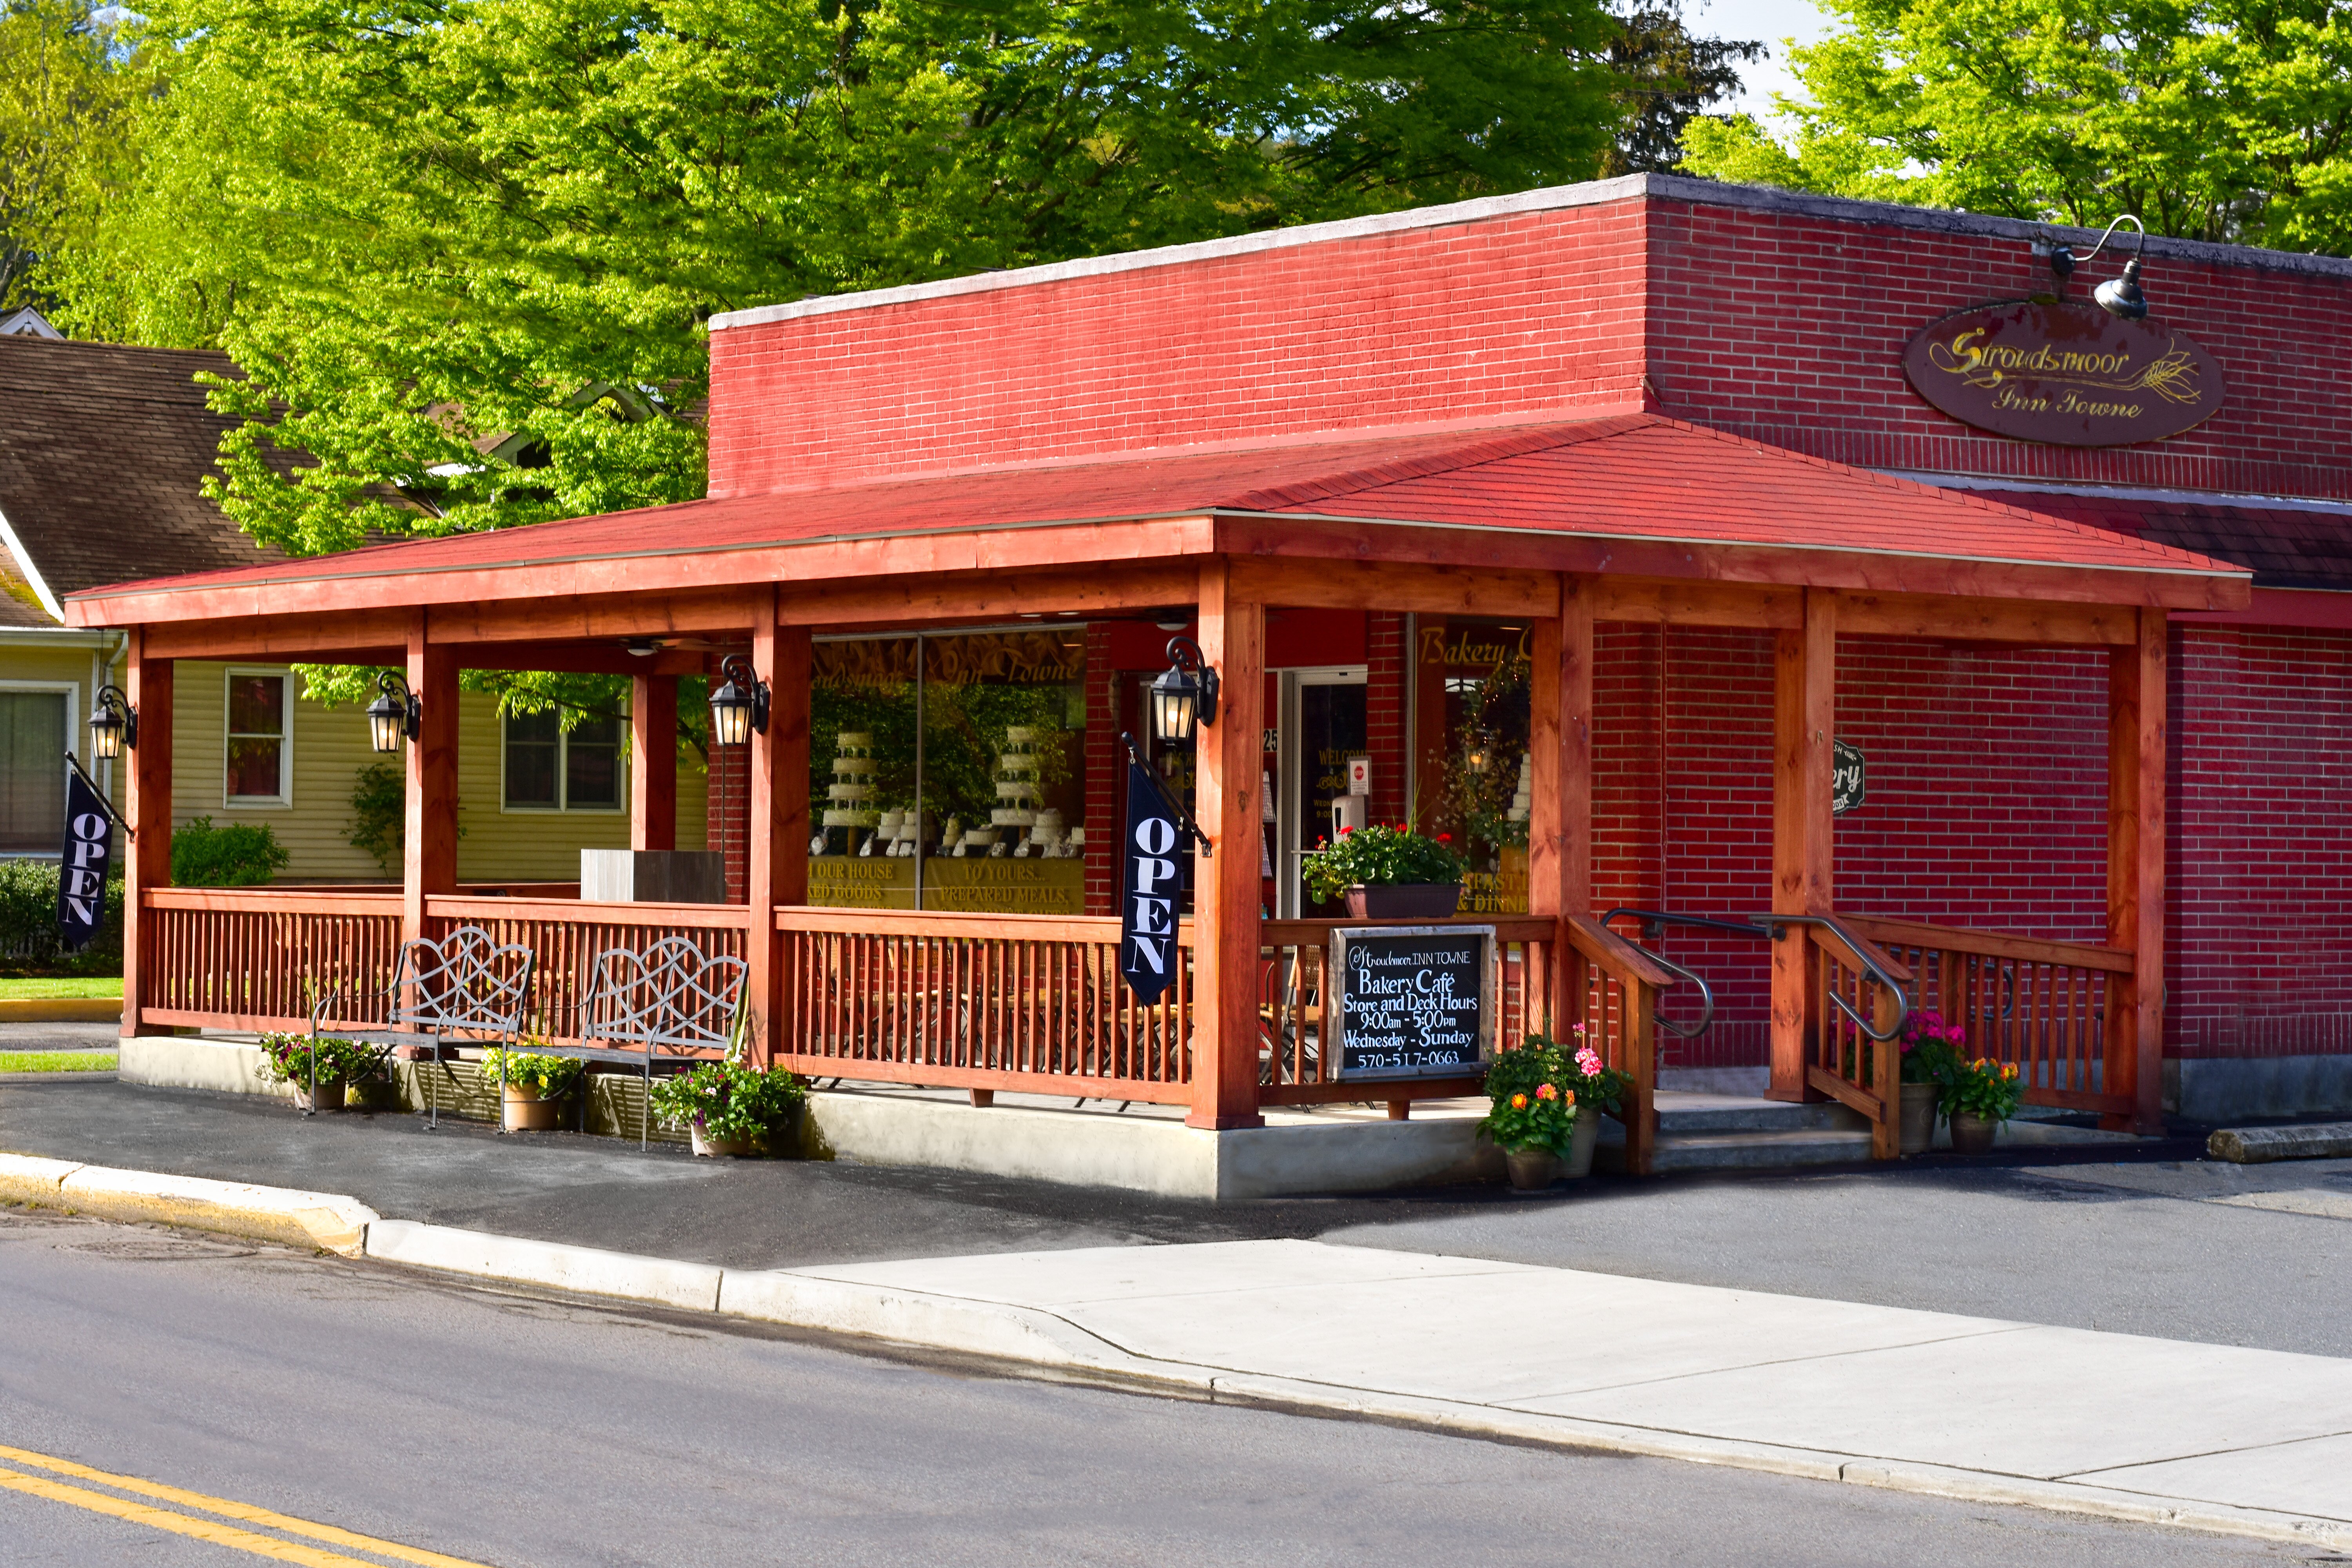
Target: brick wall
x=1791 y=329
x=1533 y=312
x=727 y=816
x=1384 y=705
x=2261 y=851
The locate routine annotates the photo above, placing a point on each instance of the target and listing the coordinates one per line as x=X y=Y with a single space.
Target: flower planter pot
x=1582 y=1139
x=1532 y=1170
x=1972 y=1134
x=528 y=1111
x=706 y=1148
x=329 y=1095
x=1918 y=1117
x=1404 y=901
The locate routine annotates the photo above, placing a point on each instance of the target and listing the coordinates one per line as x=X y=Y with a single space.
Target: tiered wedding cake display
x=852 y=790
x=1524 y=799
x=1016 y=786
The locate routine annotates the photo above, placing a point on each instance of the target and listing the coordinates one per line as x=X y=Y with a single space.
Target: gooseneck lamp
x=740 y=707
x=2119 y=297
x=396 y=714
x=113 y=724
x=1185 y=695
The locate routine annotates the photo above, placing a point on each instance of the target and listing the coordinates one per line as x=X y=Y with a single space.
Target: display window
x=1475 y=773
x=963 y=788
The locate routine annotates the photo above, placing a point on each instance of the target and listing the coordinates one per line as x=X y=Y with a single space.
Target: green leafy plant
x=242 y=855
x=1376 y=857
x=1483 y=775
x=730 y=1099
x=1931 y=1047
x=1596 y=1086
x=1984 y=1088
x=1532 y=1098
x=28 y=925
x=551 y=1076
x=380 y=814
x=286 y=1058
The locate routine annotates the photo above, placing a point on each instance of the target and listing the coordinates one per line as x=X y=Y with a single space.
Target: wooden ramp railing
x=2057 y=1009
x=1620 y=1023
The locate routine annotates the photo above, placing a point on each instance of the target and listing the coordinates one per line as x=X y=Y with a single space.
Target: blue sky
x=1769 y=20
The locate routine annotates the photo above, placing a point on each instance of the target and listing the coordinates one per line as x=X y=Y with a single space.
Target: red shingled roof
x=1635 y=475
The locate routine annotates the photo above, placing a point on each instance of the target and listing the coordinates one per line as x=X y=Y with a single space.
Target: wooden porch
x=1010 y=1003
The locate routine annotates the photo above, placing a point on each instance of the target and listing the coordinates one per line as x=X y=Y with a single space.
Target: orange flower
x=1518 y=1102
x=2009 y=1071
x=1571 y=1097
x=1546 y=1091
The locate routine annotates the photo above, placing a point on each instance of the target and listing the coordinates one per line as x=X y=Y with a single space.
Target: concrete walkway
x=2250 y=1441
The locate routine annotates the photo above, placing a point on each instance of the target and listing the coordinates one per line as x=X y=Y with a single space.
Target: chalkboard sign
x=1414 y=1001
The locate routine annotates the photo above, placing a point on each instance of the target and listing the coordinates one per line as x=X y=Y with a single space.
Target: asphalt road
x=520 y=1431
x=2153 y=1246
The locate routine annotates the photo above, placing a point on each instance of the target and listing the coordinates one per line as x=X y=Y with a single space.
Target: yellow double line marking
x=209 y=1530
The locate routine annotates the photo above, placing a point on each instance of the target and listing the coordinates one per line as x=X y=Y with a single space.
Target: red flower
x=1345 y=831
x=1446 y=838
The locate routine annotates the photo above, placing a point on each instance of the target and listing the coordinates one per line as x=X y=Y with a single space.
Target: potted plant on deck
x=1931 y=1056
x=287 y=1060
x=535 y=1087
x=731 y=1108
x=1977 y=1099
x=1386 y=873
x=1532 y=1110
x=1595 y=1088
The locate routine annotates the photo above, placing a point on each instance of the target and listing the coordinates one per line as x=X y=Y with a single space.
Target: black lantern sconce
x=740 y=707
x=113 y=724
x=395 y=715
x=2119 y=297
x=1185 y=695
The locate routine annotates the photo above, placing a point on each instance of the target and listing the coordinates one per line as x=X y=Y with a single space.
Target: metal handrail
x=1653 y=921
x=1860 y=946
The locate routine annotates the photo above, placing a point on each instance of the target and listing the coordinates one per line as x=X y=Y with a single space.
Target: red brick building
x=1780 y=318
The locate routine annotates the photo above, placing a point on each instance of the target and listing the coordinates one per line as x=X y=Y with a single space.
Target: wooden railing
x=256 y=958
x=2049 y=1006
x=983 y=1002
x=566 y=935
x=1620 y=1023
x=1293 y=1067
x=1843 y=1059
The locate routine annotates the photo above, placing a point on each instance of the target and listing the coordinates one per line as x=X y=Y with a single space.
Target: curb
x=1030 y=1338
x=236 y=1208
x=60 y=1010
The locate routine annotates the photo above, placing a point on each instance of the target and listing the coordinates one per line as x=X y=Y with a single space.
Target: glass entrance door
x=1322 y=724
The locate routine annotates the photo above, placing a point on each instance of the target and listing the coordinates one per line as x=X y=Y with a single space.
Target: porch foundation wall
x=2220 y=1090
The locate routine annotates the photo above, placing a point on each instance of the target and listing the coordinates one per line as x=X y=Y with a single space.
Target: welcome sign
x=83 y=862
x=2070 y=375
x=1154 y=880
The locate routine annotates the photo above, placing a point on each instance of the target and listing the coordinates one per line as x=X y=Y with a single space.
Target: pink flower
x=1588 y=1062
x=1546 y=1091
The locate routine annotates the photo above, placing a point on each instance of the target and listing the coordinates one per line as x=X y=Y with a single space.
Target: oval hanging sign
x=2069 y=374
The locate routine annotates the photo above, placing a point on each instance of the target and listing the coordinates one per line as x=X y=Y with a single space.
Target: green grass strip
x=57 y=1061
x=45 y=989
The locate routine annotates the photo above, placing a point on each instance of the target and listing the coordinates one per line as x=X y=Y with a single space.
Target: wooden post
x=780 y=817
x=2135 y=843
x=1225 y=887
x=653 y=762
x=1560 y=810
x=1804 y=720
x=429 y=847
x=147 y=806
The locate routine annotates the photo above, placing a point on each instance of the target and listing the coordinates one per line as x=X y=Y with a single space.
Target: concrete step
x=1752 y=1151
x=1683 y=1112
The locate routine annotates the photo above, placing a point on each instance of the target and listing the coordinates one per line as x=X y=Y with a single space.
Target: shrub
x=28 y=924
x=1533 y=1098
x=379 y=821
x=728 y=1100
x=1984 y=1088
x=286 y=1058
x=241 y=855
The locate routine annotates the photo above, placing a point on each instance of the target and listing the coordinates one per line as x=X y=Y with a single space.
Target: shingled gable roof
x=1635 y=477
x=104 y=450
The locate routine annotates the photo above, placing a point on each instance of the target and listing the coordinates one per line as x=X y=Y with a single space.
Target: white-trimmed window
x=35 y=726
x=547 y=768
x=260 y=738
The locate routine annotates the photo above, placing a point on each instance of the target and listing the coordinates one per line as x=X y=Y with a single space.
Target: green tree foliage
x=67 y=98
x=464 y=249
x=1667 y=76
x=2222 y=120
